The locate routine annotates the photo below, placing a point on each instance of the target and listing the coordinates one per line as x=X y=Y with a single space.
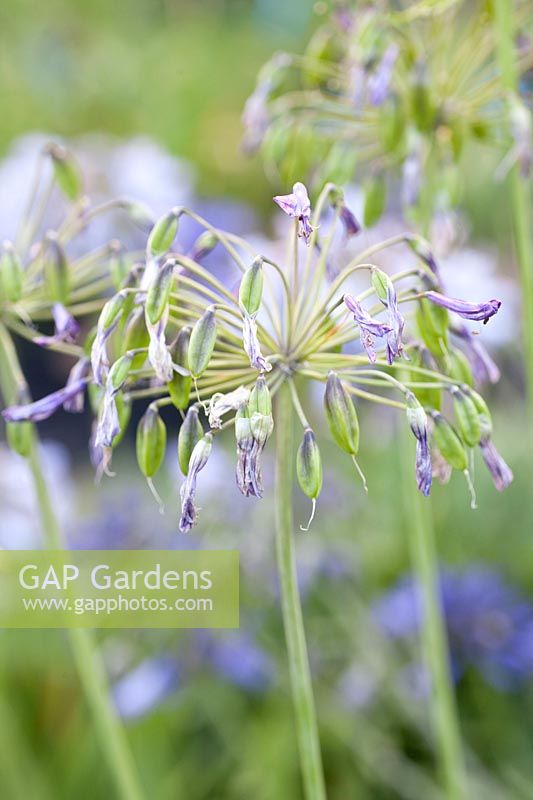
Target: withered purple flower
x=501 y=473
x=478 y=312
x=349 y=221
x=108 y=421
x=45 y=407
x=80 y=370
x=99 y=357
x=419 y=426
x=66 y=327
x=298 y=206
x=251 y=344
x=198 y=460
x=158 y=353
x=370 y=328
x=396 y=322
x=483 y=367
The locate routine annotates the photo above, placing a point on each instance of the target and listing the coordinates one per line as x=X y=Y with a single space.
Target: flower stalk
x=299 y=670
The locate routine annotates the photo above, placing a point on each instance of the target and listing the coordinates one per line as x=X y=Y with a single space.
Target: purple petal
x=501 y=473
x=478 y=312
x=45 y=407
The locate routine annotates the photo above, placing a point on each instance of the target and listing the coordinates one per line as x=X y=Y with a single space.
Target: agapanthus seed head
x=151 y=440
x=179 y=387
x=467 y=417
x=341 y=415
x=158 y=294
x=190 y=433
x=449 y=443
x=202 y=342
x=163 y=233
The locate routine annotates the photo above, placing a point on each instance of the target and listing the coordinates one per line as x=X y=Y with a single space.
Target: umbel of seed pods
x=212 y=368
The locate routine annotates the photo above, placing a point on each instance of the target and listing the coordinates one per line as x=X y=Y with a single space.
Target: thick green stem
x=520 y=191
x=433 y=633
x=88 y=661
x=300 y=675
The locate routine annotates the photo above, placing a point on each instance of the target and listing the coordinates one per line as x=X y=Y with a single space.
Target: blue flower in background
x=489 y=623
x=237 y=658
x=146 y=686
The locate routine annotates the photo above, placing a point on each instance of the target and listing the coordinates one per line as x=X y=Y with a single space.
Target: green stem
x=300 y=676
x=88 y=661
x=520 y=191
x=434 y=639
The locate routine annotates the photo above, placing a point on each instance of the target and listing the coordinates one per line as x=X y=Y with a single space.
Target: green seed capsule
x=485 y=417
x=139 y=214
x=66 y=172
x=120 y=371
x=309 y=466
x=458 y=368
x=251 y=288
x=432 y=322
x=118 y=266
x=179 y=387
x=163 y=233
x=19 y=437
x=191 y=432
x=375 y=200
x=261 y=426
x=56 y=271
x=11 y=273
x=124 y=416
x=341 y=415
x=112 y=309
x=449 y=443
x=243 y=428
x=467 y=417
x=260 y=400
x=204 y=245
x=202 y=342
x=380 y=282
x=158 y=294
x=136 y=336
x=151 y=442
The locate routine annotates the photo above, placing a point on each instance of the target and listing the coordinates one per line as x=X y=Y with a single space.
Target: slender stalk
x=300 y=676
x=433 y=633
x=520 y=191
x=86 y=656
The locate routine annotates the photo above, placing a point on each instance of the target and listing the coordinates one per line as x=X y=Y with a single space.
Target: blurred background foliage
x=207 y=721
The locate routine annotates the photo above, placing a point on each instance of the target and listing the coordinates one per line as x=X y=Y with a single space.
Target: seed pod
x=179 y=387
x=449 y=443
x=260 y=400
x=191 y=432
x=485 y=417
x=118 y=266
x=251 y=288
x=120 y=371
x=432 y=322
x=341 y=415
x=204 y=244
x=467 y=417
x=55 y=268
x=11 y=273
x=416 y=416
x=136 y=337
x=261 y=426
x=163 y=233
x=309 y=466
x=123 y=405
x=151 y=442
x=202 y=342
x=158 y=294
x=458 y=368
x=380 y=282
x=243 y=428
x=19 y=437
x=66 y=172
x=112 y=309
x=375 y=200
x=139 y=214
